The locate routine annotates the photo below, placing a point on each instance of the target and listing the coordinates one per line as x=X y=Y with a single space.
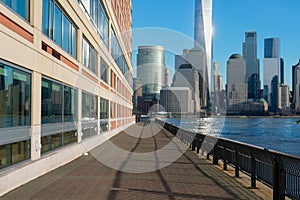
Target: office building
x=188 y=76
x=203 y=32
x=281 y=71
x=252 y=64
x=284 y=104
x=294 y=84
x=151 y=68
x=196 y=57
x=297 y=89
x=65 y=82
x=271 y=71
x=236 y=84
x=218 y=87
x=177 y=100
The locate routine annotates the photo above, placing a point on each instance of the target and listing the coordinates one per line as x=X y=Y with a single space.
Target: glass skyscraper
x=271 y=71
x=252 y=64
x=203 y=34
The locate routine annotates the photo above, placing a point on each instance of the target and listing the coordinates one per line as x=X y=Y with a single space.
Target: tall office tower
x=271 y=71
x=188 y=76
x=283 y=98
x=61 y=82
x=294 y=83
x=296 y=99
x=196 y=57
x=281 y=71
x=151 y=68
x=252 y=64
x=217 y=82
x=203 y=31
x=237 y=93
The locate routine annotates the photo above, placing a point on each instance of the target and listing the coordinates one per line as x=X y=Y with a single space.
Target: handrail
x=277 y=170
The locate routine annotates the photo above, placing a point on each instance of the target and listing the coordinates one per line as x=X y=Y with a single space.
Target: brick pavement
x=188 y=177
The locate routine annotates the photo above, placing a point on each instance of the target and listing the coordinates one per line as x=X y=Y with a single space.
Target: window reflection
x=22 y=7
x=15 y=90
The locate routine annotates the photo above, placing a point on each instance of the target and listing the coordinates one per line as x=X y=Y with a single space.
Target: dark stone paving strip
x=189 y=177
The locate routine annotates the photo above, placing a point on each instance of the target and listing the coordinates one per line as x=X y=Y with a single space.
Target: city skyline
x=230 y=27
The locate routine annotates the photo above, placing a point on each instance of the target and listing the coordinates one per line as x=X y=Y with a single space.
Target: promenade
x=188 y=177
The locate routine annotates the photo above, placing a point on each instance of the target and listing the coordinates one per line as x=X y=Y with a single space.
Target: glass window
x=51 y=142
x=104 y=70
x=15 y=91
x=70 y=104
x=51 y=102
x=104 y=108
x=14 y=153
x=69 y=137
x=22 y=7
x=66 y=34
x=57 y=26
x=118 y=55
x=89 y=55
x=89 y=107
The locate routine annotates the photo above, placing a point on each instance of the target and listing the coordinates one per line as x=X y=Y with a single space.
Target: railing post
x=278 y=181
x=225 y=161
x=215 y=157
x=237 y=164
x=253 y=172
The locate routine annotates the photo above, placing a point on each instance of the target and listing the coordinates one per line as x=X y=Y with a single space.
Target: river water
x=279 y=134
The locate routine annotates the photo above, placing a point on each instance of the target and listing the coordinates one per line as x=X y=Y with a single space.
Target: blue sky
x=231 y=18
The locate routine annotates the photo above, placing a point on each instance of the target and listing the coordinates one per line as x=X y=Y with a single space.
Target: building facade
x=196 y=58
x=252 y=64
x=271 y=71
x=297 y=89
x=294 y=84
x=284 y=104
x=65 y=82
x=188 y=76
x=236 y=84
x=203 y=33
x=177 y=100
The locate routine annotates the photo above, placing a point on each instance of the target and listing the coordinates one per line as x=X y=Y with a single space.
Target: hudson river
x=280 y=134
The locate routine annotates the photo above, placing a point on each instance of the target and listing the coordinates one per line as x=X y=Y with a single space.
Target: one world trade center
x=203 y=35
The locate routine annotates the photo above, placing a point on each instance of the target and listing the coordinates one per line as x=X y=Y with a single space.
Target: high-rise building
x=65 y=79
x=196 y=57
x=297 y=89
x=137 y=93
x=237 y=93
x=271 y=71
x=284 y=98
x=151 y=68
x=252 y=64
x=294 y=83
x=203 y=31
x=188 y=76
x=218 y=87
x=281 y=71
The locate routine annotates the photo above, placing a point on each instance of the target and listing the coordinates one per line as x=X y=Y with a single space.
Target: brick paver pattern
x=189 y=177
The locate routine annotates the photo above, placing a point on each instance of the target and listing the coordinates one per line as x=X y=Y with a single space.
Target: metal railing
x=279 y=171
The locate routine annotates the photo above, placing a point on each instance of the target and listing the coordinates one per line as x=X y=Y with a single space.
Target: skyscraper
x=252 y=64
x=296 y=99
x=271 y=71
x=151 y=68
x=294 y=83
x=236 y=83
x=203 y=31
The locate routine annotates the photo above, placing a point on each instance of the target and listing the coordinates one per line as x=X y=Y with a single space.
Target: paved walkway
x=144 y=145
